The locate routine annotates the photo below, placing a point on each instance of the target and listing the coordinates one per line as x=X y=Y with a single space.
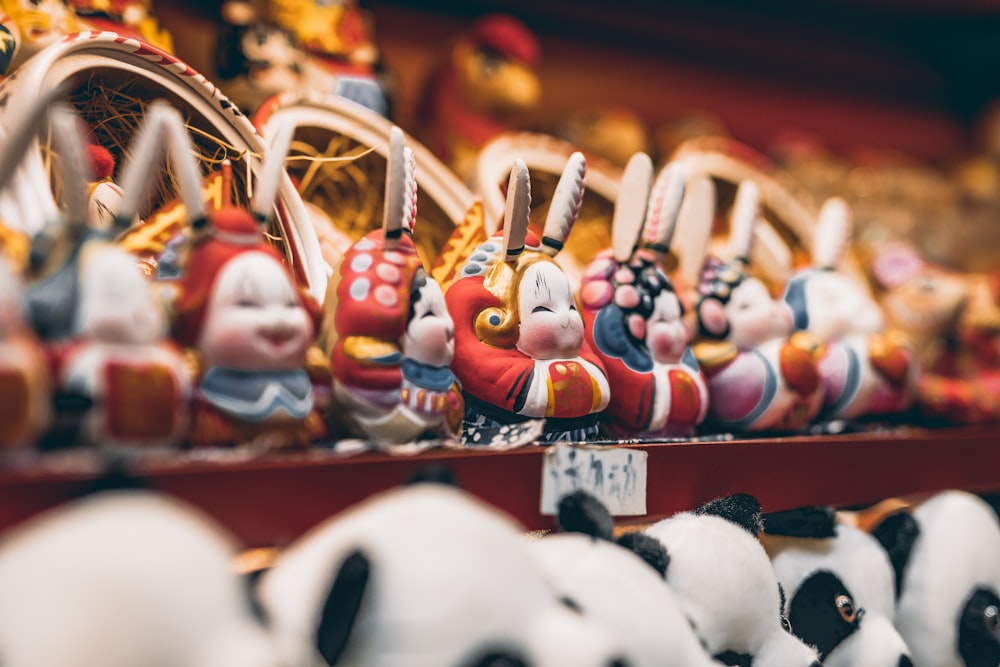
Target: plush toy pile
x=427 y=574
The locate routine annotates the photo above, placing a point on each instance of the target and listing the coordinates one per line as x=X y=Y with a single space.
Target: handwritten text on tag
x=617 y=477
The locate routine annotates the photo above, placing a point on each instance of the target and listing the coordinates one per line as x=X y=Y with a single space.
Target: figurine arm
x=363 y=361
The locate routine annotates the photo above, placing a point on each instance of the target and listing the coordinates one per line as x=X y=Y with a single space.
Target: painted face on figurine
x=667 y=335
x=838 y=305
x=551 y=326
x=740 y=309
x=430 y=332
x=255 y=319
x=116 y=304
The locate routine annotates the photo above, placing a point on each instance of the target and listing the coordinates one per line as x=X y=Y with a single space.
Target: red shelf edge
x=270 y=501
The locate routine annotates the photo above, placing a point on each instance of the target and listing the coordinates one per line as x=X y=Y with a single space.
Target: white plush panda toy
x=126 y=578
x=724 y=582
x=621 y=585
x=839 y=588
x=424 y=576
x=946 y=556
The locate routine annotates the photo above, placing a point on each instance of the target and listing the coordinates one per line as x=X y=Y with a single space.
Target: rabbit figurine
x=520 y=350
x=866 y=370
x=634 y=318
x=393 y=336
x=760 y=376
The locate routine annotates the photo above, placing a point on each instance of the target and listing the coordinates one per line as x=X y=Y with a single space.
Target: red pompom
x=102 y=162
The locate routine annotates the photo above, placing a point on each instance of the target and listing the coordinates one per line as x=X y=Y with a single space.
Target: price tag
x=617 y=477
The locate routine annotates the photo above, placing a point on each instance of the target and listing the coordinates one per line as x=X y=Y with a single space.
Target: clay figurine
x=25 y=387
x=484 y=81
x=865 y=369
x=237 y=305
x=634 y=317
x=520 y=351
x=760 y=377
x=338 y=38
x=394 y=336
x=255 y=59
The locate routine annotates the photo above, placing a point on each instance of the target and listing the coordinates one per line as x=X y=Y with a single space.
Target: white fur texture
x=450 y=577
x=725 y=585
x=125 y=579
x=625 y=594
x=864 y=568
x=957 y=550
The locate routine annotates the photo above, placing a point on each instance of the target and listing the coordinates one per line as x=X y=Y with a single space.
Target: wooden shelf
x=272 y=500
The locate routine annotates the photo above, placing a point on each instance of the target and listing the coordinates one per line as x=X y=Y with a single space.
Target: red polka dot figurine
x=389 y=332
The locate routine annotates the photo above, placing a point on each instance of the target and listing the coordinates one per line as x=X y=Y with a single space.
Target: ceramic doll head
x=733 y=305
x=116 y=304
x=519 y=335
x=430 y=331
x=823 y=300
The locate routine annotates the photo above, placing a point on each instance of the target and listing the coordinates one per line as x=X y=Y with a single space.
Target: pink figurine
x=394 y=336
x=866 y=370
x=237 y=305
x=634 y=317
x=760 y=378
x=25 y=394
x=520 y=350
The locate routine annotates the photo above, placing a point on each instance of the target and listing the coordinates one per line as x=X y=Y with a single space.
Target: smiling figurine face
x=255 y=319
x=430 y=332
x=551 y=326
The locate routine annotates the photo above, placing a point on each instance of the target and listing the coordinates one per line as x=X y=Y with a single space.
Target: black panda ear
x=433 y=474
x=812 y=522
x=340 y=609
x=993 y=500
x=647 y=548
x=580 y=512
x=739 y=508
x=897 y=533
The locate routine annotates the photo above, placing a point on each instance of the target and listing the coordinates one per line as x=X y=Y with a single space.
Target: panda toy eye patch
x=979 y=629
x=822 y=612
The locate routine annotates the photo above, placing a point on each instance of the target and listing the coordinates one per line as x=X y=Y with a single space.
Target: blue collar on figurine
x=258 y=395
x=435 y=378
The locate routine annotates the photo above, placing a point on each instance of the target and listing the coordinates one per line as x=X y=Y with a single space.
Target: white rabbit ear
x=565 y=206
x=395 y=188
x=73 y=162
x=271 y=172
x=664 y=208
x=694 y=227
x=516 y=215
x=24 y=135
x=163 y=125
x=833 y=233
x=746 y=208
x=631 y=206
x=774 y=257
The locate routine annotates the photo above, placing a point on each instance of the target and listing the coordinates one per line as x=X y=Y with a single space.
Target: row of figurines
x=391 y=356
x=430 y=575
